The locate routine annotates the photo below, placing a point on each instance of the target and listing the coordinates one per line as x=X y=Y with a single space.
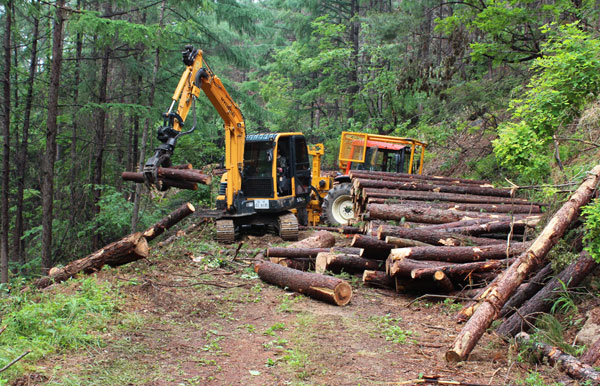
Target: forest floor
x=194 y=313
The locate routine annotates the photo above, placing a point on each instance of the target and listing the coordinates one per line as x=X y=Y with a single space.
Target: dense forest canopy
x=498 y=88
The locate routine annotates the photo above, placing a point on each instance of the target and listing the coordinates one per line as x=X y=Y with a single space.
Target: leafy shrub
x=591 y=213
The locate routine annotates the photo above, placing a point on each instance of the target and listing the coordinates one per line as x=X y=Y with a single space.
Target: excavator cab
x=275 y=179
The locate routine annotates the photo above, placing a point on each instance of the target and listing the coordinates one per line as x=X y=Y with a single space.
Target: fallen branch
x=14 y=361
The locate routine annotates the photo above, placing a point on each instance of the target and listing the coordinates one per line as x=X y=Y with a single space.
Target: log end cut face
x=343 y=293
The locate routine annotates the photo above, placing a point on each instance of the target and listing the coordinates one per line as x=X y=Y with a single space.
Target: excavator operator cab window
x=284 y=181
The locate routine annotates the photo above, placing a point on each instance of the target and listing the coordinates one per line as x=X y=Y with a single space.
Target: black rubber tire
x=339 y=194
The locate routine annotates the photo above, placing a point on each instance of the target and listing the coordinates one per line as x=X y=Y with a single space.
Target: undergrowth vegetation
x=45 y=323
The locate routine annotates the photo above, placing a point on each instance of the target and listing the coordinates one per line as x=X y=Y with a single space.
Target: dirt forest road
x=192 y=316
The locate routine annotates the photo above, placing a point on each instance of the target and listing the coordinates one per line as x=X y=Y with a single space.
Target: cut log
x=491 y=304
x=458 y=254
x=423 y=214
x=526 y=291
x=433 y=237
x=566 y=362
x=543 y=300
x=335 y=262
x=435 y=196
x=168 y=221
x=295 y=253
x=464 y=207
x=404 y=267
x=314 y=285
x=303 y=264
x=372 y=248
x=378 y=279
x=189 y=175
x=399 y=242
x=321 y=239
x=460 y=270
x=443 y=282
x=182 y=166
x=460 y=189
x=130 y=248
x=497 y=226
x=346 y=230
x=167 y=182
x=591 y=355
x=391 y=175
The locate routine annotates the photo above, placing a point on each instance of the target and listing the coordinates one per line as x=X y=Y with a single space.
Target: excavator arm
x=198 y=76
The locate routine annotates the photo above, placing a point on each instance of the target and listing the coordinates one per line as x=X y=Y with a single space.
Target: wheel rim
x=342 y=209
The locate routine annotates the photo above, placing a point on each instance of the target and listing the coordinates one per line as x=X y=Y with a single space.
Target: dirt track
x=191 y=323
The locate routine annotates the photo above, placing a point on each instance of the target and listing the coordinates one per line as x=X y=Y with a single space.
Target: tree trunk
x=437 y=196
x=167 y=182
x=443 y=282
x=497 y=226
x=592 y=354
x=527 y=290
x=171 y=175
x=566 y=362
x=6 y=145
x=47 y=185
x=404 y=267
x=177 y=215
x=335 y=262
x=100 y=137
x=320 y=240
x=399 y=242
x=433 y=237
x=461 y=271
x=142 y=157
x=376 y=175
x=458 y=254
x=22 y=149
x=314 y=285
x=459 y=189
x=378 y=279
x=544 y=298
x=305 y=253
x=491 y=303
x=130 y=248
x=372 y=248
x=423 y=214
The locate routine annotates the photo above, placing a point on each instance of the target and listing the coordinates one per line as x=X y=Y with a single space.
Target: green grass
x=46 y=322
x=389 y=328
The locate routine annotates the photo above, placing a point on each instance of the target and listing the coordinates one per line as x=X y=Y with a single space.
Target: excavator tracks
x=288 y=226
x=225 y=231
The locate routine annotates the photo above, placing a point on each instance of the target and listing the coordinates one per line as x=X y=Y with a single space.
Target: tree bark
x=399 y=242
x=167 y=222
x=375 y=175
x=437 y=196
x=305 y=253
x=443 y=282
x=544 y=298
x=458 y=254
x=23 y=147
x=142 y=157
x=457 y=189
x=566 y=362
x=6 y=145
x=491 y=303
x=335 y=262
x=527 y=290
x=497 y=226
x=404 y=267
x=167 y=182
x=378 y=279
x=461 y=271
x=314 y=285
x=423 y=214
x=126 y=250
x=372 y=248
x=321 y=239
x=592 y=354
x=434 y=237
x=466 y=207
x=47 y=186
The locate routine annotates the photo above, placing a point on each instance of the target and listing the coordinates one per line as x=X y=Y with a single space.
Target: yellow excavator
x=267 y=175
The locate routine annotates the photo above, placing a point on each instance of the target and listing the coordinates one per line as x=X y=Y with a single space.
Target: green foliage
x=591 y=237
x=567 y=78
x=45 y=323
x=389 y=327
